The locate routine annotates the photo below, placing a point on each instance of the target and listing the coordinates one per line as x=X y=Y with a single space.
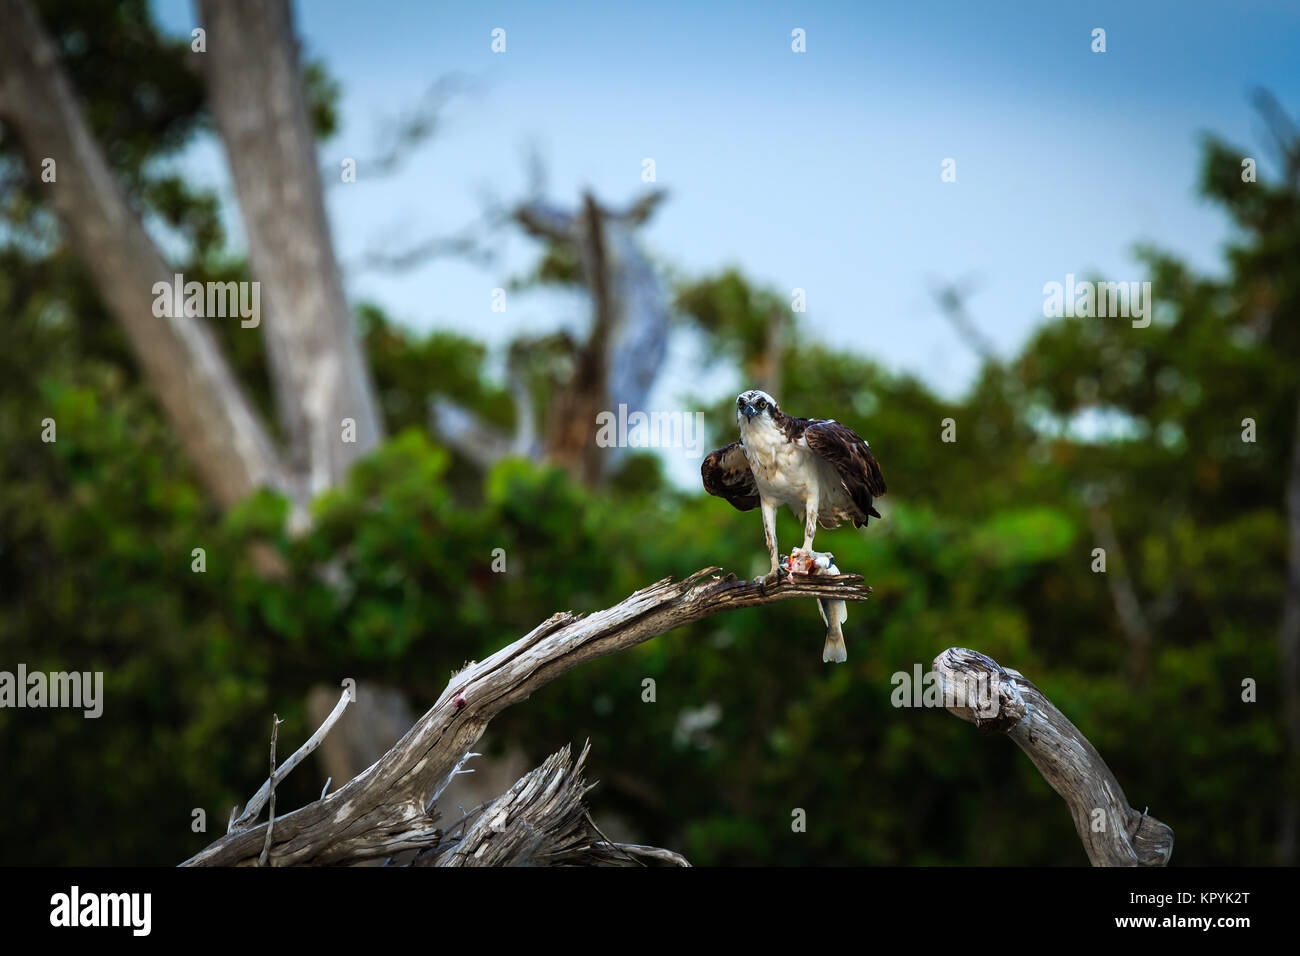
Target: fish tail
x=835 y=650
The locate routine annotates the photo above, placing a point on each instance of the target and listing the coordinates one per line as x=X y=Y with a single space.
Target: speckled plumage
x=822 y=470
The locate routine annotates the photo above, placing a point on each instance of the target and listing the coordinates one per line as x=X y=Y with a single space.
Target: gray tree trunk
x=315 y=362
x=320 y=377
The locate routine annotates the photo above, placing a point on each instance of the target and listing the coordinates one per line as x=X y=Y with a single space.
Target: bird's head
x=753 y=405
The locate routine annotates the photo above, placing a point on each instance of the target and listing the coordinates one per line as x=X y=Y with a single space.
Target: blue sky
x=818 y=170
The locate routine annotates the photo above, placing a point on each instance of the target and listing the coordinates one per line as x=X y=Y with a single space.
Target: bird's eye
x=762 y=404
x=740 y=402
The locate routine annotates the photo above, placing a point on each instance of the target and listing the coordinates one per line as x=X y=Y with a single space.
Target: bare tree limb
x=268 y=789
x=483 y=443
x=1128 y=609
x=1286 y=137
x=469 y=245
x=539 y=821
x=644 y=207
x=627 y=344
x=402 y=135
x=774 y=347
x=654 y=853
x=544 y=221
x=951 y=298
x=976 y=688
x=480 y=442
x=389 y=809
x=386 y=810
x=270 y=813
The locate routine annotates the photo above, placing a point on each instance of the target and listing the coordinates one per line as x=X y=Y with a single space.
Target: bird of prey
x=822 y=470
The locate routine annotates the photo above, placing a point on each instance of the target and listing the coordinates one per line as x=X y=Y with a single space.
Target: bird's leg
x=769 y=535
x=810 y=508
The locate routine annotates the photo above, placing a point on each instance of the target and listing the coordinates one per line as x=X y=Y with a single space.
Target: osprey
x=822 y=470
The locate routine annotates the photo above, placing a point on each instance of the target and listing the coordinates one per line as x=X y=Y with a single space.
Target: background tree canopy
x=1096 y=434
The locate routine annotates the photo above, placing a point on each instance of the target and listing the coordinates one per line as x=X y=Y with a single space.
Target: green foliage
x=734 y=314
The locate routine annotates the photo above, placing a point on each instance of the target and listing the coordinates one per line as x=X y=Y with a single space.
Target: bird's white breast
x=784 y=470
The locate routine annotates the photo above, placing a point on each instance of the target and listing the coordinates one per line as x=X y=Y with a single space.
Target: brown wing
x=726 y=474
x=843 y=448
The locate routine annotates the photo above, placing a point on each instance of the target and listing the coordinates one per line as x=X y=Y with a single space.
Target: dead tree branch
x=268 y=789
x=270 y=813
x=405 y=133
x=627 y=343
x=388 y=809
x=951 y=298
x=1128 y=609
x=976 y=688
x=539 y=821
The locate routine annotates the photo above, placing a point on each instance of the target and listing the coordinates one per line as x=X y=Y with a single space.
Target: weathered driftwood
x=976 y=688
x=540 y=820
x=270 y=813
x=254 y=808
x=388 y=809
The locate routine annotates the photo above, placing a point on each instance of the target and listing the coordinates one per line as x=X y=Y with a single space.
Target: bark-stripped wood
x=539 y=821
x=627 y=344
x=976 y=688
x=389 y=808
x=254 y=808
x=319 y=374
x=1132 y=618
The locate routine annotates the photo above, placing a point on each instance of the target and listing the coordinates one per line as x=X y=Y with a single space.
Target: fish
x=834 y=613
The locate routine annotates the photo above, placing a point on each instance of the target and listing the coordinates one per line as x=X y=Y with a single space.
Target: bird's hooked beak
x=749 y=410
